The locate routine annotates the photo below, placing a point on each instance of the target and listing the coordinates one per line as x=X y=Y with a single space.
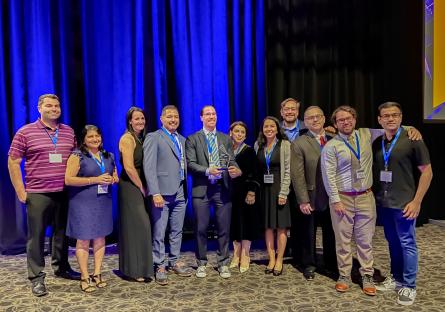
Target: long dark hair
x=128 y=118
x=261 y=140
x=83 y=148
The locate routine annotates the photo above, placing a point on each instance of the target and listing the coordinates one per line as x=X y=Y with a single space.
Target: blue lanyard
x=54 y=137
x=269 y=155
x=101 y=164
x=293 y=133
x=386 y=154
x=175 y=142
x=357 y=154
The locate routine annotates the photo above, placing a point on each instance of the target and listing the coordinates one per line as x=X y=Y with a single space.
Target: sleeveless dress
x=275 y=216
x=135 y=245
x=90 y=215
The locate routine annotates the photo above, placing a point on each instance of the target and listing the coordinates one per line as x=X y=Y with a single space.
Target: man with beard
x=45 y=145
x=166 y=175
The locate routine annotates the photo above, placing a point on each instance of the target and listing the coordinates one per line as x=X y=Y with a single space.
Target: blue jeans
x=172 y=213
x=401 y=236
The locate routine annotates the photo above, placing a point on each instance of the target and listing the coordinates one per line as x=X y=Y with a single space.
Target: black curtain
x=356 y=52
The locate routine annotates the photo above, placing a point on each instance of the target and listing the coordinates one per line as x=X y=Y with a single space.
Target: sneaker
x=201 y=271
x=343 y=283
x=224 y=271
x=406 y=296
x=181 y=270
x=161 y=276
x=389 y=284
x=368 y=286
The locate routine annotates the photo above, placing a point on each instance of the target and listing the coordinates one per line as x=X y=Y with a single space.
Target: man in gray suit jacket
x=211 y=162
x=311 y=195
x=166 y=175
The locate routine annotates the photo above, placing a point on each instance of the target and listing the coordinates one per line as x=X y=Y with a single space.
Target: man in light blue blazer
x=166 y=174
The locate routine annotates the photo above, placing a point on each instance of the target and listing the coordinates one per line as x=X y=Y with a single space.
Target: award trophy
x=224 y=158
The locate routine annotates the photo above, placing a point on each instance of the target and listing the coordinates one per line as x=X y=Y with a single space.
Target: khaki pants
x=358 y=222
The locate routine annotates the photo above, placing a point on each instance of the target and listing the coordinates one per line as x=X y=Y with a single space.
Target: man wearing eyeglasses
x=346 y=163
x=311 y=195
x=291 y=124
x=399 y=193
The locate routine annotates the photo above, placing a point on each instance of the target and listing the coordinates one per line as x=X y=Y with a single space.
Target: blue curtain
x=101 y=57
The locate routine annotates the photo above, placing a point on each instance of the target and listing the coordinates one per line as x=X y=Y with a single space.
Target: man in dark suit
x=211 y=162
x=166 y=175
x=311 y=195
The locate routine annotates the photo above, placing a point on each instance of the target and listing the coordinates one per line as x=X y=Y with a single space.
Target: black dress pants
x=45 y=209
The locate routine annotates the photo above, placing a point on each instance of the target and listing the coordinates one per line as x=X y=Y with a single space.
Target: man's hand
x=411 y=210
x=330 y=129
x=158 y=201
x=306 y=208
x=213 y=171
x=414 y=134
x=234 y=171
x=339 y=208
x=22 y=197
x=250 y=198
x=282 y=201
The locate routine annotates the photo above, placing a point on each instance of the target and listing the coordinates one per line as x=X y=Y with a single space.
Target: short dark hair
x=47 y=96
x=128 y=118
x=83 y=148
x=389 y=105
x=205 y=106
x=166 y=107
x=343 y=108
x=261 y=140
x=238 y=123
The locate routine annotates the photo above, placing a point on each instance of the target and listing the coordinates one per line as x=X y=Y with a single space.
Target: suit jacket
x=306 y=175
x=162 y=163
x=198 y=161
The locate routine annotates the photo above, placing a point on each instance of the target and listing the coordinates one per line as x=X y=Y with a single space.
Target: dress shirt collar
x=206 y=132
x=346 y=137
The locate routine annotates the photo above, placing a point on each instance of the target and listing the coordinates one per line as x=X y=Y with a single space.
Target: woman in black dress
x=135 y=245
x=244 y=212
x=273 y=152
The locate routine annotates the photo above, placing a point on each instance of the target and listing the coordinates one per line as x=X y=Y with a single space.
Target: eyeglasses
x=393 y=115
x=314 y=117
x=343 y=120
x=290 y=109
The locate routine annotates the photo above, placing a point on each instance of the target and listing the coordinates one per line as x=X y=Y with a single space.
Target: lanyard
x=100 y=163
x=239 y=148
x=357 y=154
x=175 y=142
x=268 y=155
x=293 y=133
x=53 y=137
x=386 y=154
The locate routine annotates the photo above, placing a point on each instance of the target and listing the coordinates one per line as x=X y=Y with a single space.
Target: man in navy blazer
x=166 y=175
x=211 y=162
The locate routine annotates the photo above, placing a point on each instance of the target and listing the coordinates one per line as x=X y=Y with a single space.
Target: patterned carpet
x=251 y=291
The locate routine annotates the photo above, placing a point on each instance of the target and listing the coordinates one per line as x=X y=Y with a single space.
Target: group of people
x=297 y=175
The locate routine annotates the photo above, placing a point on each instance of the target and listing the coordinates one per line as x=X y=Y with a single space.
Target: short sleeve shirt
x=33 y=143
x=404 y=159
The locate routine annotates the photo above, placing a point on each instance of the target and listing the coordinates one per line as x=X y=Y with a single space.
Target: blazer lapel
x=170 y=143
x=203 y=142
x=313 y=143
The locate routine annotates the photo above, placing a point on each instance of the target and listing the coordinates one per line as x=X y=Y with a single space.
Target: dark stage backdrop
x=103 y=56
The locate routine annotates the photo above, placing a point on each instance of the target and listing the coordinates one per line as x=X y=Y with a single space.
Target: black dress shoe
x=268 y=271
x=68 y=274
x=309 y=274
x=39 y=289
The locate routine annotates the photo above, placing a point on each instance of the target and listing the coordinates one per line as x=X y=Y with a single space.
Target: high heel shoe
x=234 y=263
x=244 y=265
x=277 y=272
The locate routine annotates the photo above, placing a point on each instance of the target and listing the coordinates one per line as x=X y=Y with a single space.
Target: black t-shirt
x=405 y=157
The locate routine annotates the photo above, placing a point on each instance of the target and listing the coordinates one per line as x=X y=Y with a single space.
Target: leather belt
x=355 y=193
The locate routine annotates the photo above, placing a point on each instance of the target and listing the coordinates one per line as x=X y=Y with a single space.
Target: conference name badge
x=360 y=174
x=102 y=189
x=386 y=176
x=55 y=158
x=268 y=178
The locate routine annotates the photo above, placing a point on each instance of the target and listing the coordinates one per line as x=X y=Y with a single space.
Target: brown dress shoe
x=368 y=285
x=342 y=284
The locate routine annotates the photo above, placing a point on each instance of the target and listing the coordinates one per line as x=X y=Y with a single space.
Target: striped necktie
x=213 y=150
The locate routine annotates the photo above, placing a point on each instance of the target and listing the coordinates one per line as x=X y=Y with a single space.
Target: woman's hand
x=104 y=179
x=250 y=198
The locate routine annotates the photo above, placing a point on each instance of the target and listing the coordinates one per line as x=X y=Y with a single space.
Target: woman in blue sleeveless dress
x=89 y=174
